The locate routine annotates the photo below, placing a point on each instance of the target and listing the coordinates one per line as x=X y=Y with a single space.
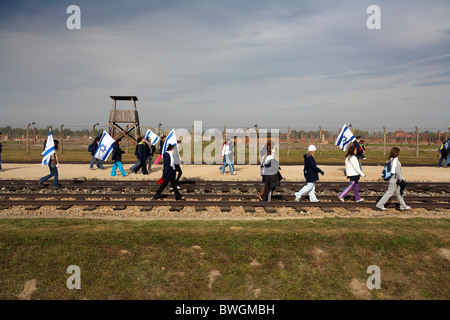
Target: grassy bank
x=271 y=259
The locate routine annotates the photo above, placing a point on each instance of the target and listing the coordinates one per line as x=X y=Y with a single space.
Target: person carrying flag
x=51 y=159
x=168 y=174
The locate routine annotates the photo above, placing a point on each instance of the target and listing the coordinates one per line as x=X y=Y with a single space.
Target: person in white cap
x=311 y=172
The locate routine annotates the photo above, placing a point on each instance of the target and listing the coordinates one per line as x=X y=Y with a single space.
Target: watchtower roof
x=124 y=98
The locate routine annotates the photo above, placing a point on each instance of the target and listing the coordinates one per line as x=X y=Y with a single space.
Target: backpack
x=446 y=145
x=386 y=173
x=440 y=147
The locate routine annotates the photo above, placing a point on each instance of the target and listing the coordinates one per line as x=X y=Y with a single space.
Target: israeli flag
x=344 y=138
x=49 y=149
x=171 y=139
x=153 y=137
x=105 y=147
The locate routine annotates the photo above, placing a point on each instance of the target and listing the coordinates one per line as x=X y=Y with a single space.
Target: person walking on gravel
x=353 y=172
x=93 y=149
x=311 y=172
x=117 y=159
x=396 y=182
x=228 y=157
x=168 y=174
x=53 y=166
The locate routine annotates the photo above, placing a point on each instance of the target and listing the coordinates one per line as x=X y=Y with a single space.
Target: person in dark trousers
x=353 y=173
x=53 y=166
x=311 y=172
x=177 y=160
x=136 y=153
x=444 y=150
x=93 y=148
x=161 y=146
x=1 y=152
x=359 y=150
x=117 y=159
x=151 y=152
x=142 y=154
x=270 y=172
x=168 y=175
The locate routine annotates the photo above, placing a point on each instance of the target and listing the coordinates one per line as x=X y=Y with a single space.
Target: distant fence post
x=62 y=139
x=384 y=141
x=288 y=138
x=417 y=142
x=320 y=140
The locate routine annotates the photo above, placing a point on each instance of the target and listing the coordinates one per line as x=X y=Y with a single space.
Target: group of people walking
x=353 y=171
x=270 y=170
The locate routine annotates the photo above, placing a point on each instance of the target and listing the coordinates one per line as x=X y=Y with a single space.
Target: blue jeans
x=447 y=161
x=309 y=188
x=230 y=165
x=138 y=163
x=99 y=163
x=53 y=173
x=117 y=164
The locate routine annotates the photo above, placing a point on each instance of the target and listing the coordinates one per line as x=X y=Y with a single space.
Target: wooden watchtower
x=124 y=118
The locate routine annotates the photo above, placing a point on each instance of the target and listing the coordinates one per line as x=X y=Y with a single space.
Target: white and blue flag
x=49 y=149
x=171 y=139
x=105 y=147
x=153 y=137
x=344 y=138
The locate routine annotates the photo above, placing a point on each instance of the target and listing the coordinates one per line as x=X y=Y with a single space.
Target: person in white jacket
x=353 y=171
x=227 y=153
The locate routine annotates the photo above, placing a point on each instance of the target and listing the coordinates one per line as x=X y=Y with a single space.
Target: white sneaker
x=297 y=199
x=381 y=208
x=405 y=208
x=360 y=200
x=342 y=199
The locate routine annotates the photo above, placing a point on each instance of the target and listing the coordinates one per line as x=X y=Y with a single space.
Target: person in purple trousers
x=353 y=172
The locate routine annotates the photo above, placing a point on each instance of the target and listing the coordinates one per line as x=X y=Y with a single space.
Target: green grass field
x=271 y=259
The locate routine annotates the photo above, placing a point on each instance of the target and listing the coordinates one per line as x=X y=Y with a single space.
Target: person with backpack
x=311 y=173
x=444 y=151
x=396 y=181
x=353 y=173
x=93 y=149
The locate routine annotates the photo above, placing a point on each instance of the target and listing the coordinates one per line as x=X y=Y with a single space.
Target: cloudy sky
x=277 y=63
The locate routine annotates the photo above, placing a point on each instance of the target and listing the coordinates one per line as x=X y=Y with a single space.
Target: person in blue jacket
x=168 y=174
x=142 y=154
x=311 y=172
x=117 y=159
x=93 y=149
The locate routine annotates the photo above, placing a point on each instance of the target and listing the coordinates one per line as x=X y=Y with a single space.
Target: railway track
x=91 y=194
